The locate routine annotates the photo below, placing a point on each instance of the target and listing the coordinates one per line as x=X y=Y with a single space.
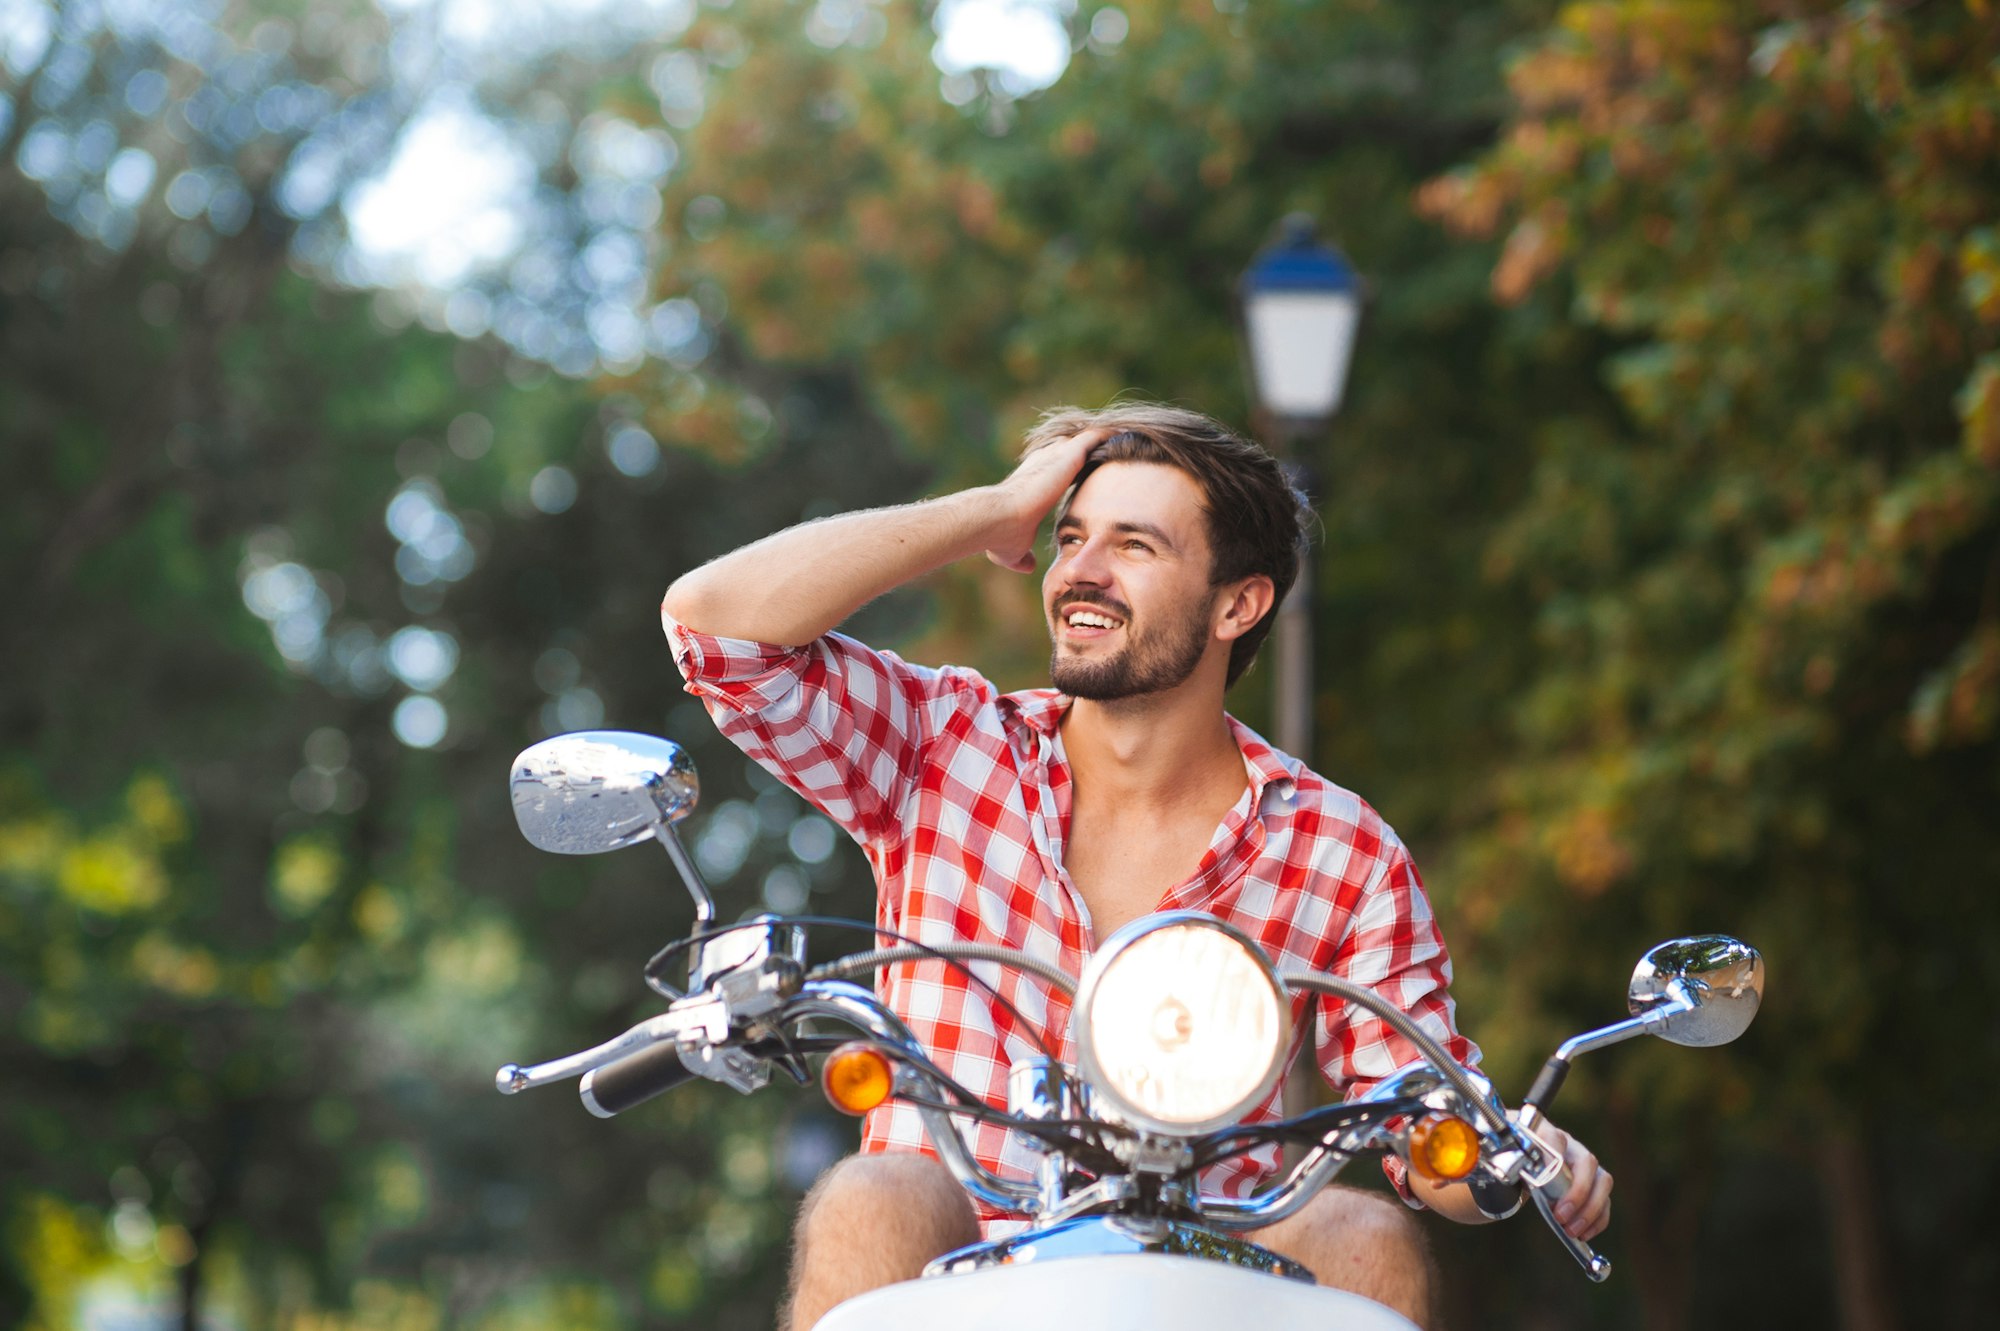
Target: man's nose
x=1087 y=564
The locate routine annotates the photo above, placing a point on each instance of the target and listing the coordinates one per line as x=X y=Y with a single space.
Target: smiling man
x=1043 y=820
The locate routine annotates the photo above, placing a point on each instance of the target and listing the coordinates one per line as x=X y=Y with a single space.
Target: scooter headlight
x=1182 y=1025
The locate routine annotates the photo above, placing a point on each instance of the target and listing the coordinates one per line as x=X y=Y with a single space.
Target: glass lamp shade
x=1301 y=308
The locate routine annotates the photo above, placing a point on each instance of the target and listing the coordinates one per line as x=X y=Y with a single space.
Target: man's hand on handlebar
x=1585 y=1209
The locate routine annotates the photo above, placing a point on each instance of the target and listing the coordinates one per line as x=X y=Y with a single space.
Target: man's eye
x=1139 y=546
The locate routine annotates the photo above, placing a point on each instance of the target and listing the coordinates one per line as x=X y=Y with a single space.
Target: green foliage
x=258 y=958
x=1766 y=595
x=1656 y=594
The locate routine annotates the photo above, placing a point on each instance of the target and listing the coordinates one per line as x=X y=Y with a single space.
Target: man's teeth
x=1089 y=619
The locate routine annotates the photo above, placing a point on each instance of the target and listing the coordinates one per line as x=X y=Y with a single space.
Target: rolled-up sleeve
x=840 y=723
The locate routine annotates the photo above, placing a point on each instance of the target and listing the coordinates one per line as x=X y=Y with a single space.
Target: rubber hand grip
x=1546 y=1085
x=617 y=1087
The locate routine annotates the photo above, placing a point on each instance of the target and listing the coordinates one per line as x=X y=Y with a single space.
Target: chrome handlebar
x=702 y=1024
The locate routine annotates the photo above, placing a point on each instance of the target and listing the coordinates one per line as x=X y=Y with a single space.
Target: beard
x=1150 y=662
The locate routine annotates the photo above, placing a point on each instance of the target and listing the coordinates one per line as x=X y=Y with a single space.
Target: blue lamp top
x=1297 y=261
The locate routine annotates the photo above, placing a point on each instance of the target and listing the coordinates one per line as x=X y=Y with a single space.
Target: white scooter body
x=1119 y=1292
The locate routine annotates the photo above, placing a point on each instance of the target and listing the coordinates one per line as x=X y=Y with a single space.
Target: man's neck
x=1158 y=752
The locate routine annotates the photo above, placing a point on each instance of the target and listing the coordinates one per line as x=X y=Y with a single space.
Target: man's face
x=1127 y=595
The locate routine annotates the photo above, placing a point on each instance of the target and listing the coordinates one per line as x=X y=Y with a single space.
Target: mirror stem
x=704 y=905
x=1618 y=1032
x=1551 y=1079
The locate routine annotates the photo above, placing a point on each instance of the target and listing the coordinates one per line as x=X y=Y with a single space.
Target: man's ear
x=1241 y=606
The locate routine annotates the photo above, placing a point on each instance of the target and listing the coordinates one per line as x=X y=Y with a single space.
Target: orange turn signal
x=1443 y=1149
x=857 y=1077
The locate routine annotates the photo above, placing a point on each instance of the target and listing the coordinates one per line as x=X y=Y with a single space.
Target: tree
x=296 y=577
x=1765 y=684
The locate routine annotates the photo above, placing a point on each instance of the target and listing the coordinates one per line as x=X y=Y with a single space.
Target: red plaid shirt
x=960 y=795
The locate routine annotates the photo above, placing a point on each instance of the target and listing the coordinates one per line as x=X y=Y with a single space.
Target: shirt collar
x=1040 y=710
x=1272 y=774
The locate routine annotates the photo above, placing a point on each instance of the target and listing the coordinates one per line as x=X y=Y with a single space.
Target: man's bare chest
x=1124 y=867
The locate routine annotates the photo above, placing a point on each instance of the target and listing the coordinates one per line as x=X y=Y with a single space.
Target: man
x=1046 y=819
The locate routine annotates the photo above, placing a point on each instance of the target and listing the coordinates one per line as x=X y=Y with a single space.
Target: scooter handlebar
x=633 y=1080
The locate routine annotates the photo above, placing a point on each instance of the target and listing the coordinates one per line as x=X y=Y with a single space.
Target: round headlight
x=1182 y=1024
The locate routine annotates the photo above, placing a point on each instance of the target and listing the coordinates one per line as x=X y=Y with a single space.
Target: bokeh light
x=420 y=721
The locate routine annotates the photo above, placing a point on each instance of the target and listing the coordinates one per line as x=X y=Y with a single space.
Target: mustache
x=1098 y=599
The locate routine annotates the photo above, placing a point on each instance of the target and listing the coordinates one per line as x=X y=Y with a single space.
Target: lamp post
x=1301 y=306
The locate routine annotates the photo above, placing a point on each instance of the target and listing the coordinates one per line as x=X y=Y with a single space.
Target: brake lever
x=1547 y=1186
x=1595 y=1264
x=702 y=1014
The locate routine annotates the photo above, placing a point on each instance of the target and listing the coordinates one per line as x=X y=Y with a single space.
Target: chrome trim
x=1151 y=1153
x=1553 y=1165
x=738 y=1070
x=753 y=967
x=1328 y=1158
x=1313 y=1172
x=704 y=901
x=596 y=790
x=600 y=790
x=1117 y=1190
x=1038 y=1091
x=1646 y=1023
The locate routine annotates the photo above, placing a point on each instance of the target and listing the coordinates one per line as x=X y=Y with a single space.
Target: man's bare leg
x=872 y=1220
x=1365 y=1242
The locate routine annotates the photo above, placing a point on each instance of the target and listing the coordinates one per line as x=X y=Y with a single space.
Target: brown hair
x=1257 y=519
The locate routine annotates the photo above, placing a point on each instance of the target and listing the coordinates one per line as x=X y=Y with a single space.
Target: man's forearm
x=797 y=584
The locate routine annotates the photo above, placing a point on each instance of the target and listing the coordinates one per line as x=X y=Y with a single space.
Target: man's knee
x=872 y=1220
x=1376 y=1221
x=885 y=1195
x=1365 y=1242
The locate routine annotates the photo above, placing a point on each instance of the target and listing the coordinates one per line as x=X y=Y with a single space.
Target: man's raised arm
x=791 y=587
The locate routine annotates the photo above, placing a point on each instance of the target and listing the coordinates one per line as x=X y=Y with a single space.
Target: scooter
x=1118 y=1230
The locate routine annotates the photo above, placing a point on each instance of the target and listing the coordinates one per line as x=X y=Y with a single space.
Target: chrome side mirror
x=1705 y=989
x=1693 y=991
x=599 y=790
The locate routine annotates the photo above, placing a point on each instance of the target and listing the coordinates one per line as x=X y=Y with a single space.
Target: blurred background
x=368 y=369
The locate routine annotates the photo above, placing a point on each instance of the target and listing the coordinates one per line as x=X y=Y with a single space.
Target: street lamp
x=1301 y=306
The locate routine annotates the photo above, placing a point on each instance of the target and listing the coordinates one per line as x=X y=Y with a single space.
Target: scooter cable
x=1041 y=1043
x=1312 y=1127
